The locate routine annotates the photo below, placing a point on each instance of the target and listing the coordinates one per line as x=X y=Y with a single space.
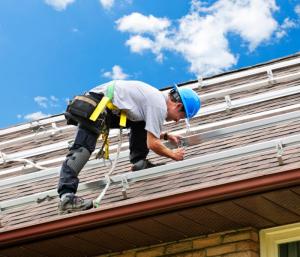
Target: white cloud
x=35 y=116
x=201 y=36
x=297 y=9
x=53 y=98
x=44 y=102
x=41 y=101
x=107 y=4
x=284 y=27
x=138 y=43
x=138 y=23
x=59 y=5
x=116 y=73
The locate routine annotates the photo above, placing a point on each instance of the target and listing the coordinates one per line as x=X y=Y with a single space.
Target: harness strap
x=106 y=102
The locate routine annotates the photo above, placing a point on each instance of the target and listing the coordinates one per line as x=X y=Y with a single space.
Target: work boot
x=72 y=203
x=144 y=164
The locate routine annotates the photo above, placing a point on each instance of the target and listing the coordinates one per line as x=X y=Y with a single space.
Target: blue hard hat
x=190 y=100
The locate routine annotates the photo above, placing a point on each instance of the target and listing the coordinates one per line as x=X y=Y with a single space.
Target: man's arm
x=159 y=148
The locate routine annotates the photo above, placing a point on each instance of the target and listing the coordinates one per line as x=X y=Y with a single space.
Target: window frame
x=271 y=238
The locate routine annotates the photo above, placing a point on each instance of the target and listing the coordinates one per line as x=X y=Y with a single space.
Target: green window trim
x=271 y=238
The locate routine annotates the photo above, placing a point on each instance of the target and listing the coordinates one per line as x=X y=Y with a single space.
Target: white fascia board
x=174 y=167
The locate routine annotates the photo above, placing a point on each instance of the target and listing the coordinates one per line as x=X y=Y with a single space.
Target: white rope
x=97 y=201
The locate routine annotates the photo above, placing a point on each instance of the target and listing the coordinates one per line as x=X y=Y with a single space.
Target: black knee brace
x=77 y=158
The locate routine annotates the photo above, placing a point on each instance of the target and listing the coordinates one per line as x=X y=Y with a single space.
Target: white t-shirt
x=141 y=101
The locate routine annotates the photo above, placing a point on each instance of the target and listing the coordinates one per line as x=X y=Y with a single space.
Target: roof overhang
x=154 y=205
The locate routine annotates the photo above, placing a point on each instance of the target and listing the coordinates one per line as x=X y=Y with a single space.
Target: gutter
x=100 y=217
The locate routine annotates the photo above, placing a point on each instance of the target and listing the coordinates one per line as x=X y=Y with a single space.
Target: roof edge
x=100 y=217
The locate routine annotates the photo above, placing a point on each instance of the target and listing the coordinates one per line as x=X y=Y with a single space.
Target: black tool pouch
x=80 y=109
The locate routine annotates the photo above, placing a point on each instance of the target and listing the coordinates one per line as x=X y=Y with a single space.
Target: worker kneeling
x=146 y=108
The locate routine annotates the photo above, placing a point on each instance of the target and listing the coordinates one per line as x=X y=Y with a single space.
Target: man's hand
x=158 y=147
x=178 y=154
x=174 y=139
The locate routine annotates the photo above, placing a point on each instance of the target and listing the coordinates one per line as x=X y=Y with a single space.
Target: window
x=283 y=241
x=289 y=249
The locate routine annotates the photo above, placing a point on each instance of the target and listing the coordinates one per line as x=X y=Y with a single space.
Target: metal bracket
x=200 y=82
x=38 y=129
x=280 y=151
x=3 y=157
x=270 y=77
x=70 y=143
x=228 y=103
x=34 y=125
x=55 y=129
x=42 y=199
x=125 y=186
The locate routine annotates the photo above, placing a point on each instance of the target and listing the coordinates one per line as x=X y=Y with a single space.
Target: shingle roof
x=203 y=176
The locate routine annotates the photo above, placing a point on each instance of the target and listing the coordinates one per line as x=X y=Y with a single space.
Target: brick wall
x=237 y=243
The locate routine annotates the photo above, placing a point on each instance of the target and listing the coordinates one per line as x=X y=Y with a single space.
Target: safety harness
x=106 y=102
x=90 y=112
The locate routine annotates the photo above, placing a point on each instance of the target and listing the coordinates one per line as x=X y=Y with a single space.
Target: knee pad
x=77 y=158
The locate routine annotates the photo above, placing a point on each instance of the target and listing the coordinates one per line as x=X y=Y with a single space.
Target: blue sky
x=51 y=50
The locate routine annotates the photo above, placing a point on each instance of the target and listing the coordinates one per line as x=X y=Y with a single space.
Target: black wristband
x=166 y=136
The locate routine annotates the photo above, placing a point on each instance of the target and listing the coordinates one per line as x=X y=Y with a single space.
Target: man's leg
x=138 y=142
x=77 y=157
x=138 y=147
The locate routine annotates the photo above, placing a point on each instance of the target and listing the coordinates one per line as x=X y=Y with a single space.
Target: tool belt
x=89 y=111
x=79 y=110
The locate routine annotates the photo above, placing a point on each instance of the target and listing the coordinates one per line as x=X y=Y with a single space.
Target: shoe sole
x=61 y=212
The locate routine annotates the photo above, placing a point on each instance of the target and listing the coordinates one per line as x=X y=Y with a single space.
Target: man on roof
x=146 y=108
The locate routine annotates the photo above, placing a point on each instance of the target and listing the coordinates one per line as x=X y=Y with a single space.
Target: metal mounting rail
x=42 y=150
x=244 y=73
x=31 y=168
x=249 y=100
x=250 y=86
x=196 y=129
x=51 y=172
x=180 y=166
x=38 y=135
x=217 y=94
x=191 y=139
x=204 y=111
x=208 y=81
x=187 y=165
x=32 y=124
